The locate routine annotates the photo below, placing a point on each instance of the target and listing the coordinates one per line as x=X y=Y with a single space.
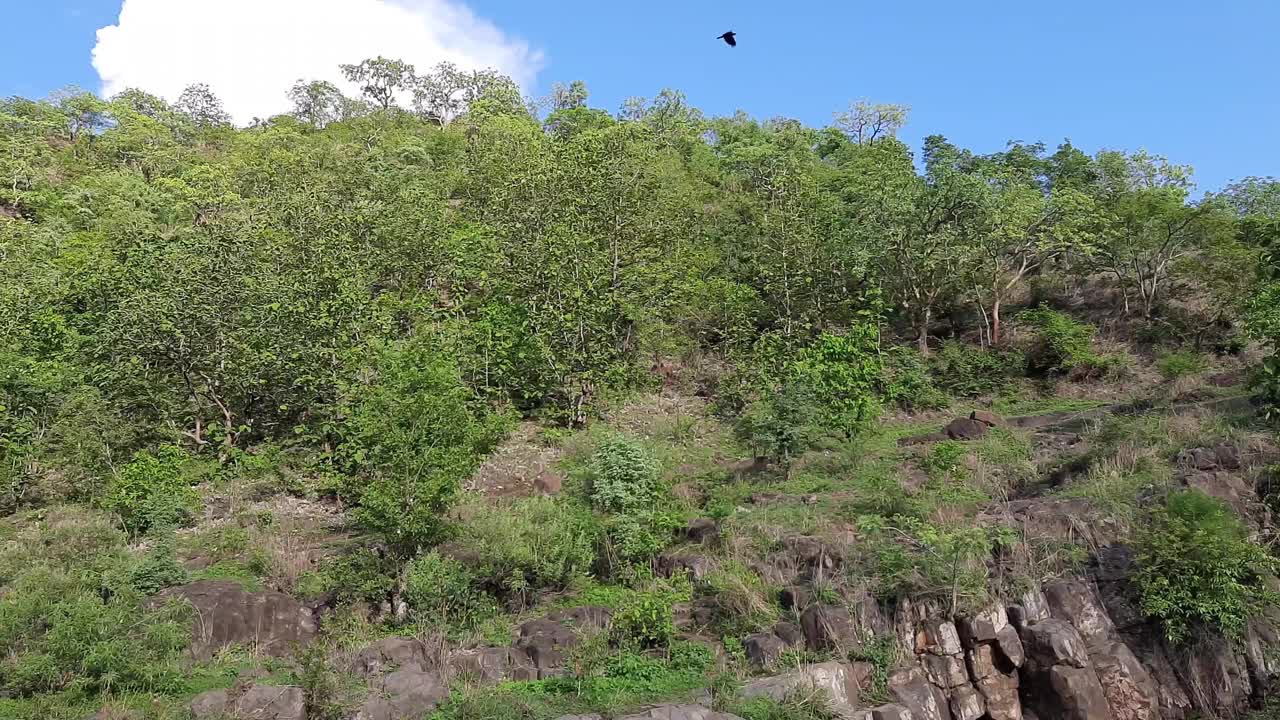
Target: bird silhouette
x=729 y=38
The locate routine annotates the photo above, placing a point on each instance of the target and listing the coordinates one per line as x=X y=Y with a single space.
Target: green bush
x=646 y=620
x=1197 y=568
x=1060 y=344
x=624 y=476
x=529 y=545
x=415 y=434
x=780 y=425
x=71 y=619
x=153 y=491
x=1173 y=365
x=441 y=590
x=965 y=370
x=843 y=375
x=906 y=381
x=158 y=569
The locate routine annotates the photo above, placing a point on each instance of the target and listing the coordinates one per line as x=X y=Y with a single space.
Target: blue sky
x=1196 y=81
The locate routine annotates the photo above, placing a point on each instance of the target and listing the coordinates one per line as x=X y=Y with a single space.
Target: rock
x=584 y=617
x=548 y=482
x=839 y=682
x=226 y=614
x=910 y=688
x=1228 y=456
x=1054 y=642
x=763 y=649
x=983 y=662
x=405 y=695
x=580 y=717
x=696 y=567
x=1032 y=608
x=789 y=633
x=795 y=597
x=210 y=705
x=891 y=712
x=110 y=713
x=1010 y=646
x=829 y=626
x=1128 y=688
x=701 y=530
x=1076 y=602
x=967 y=704
x=492 y=665
x=946 y=671
x=983 y=626
x=986 y=417
x=1000 y=692
x=942 y=638
x=1198 y=459
x=271 y=703
x=544 y=642
x=1075 y=695
x=965 y=429
x=390 y=654
x=679 y=712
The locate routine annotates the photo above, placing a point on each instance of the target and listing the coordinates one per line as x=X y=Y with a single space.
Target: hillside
x=472 y=409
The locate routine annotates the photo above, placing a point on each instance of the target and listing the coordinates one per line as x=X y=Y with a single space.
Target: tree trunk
x=923 y=329
x=995 y=321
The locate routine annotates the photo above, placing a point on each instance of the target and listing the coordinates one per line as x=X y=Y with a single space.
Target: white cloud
x=250 y=52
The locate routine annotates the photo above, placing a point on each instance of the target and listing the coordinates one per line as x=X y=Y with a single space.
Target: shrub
x=624 y=476
x=529 y=545
x=905 y=381
x=646 y=620
x=415 y=434
x=1174 y=365
x=780 y=426
x=158 y=569
x=968 y=371
x=440 y=589
x=1060 y=344
x=153 y=491
x=1197 y=568
x=843 y=375
x=743 y=600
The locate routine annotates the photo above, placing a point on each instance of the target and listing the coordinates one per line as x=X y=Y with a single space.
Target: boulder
x=1075 y=695
x=584 y=617
x=226 y=614
x=986 y=417
x=267 y=702
x=984 y=662
x=829 y=626
x=789 y=633
x=1010 y=646
x=210 y=705
x=763 y=649
x=1128 y=688
x=1000 y=692
x=544 y=642
x=839 y=682
x=966 y=703
x=1076 y=602
x=391 y=654
x=679 y=712
x=912 y=690
x=1198 y=459
x=965 y=429
x=492 y=665
x=946 y=671
x=696 y=567
x=942 y=638
x=701 y=530
x=983 y=626
x=403 y=695
x=1054 y=642
x=891 y=712
x=795 y=598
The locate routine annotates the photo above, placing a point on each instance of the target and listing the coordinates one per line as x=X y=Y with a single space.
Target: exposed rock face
x=403 y=695
x=257 y=702
x=226 y=614
x=391 y=654
x=966 y=429
x=839 y=682
x=912 y=690
x=988 y=418
x=701 y=530
x=763 y=649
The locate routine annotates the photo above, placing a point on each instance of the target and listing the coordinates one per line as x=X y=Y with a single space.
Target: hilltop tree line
x=384 y=282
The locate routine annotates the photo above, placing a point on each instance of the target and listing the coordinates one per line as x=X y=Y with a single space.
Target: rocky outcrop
x=226 y=614
x=839 y=683
x=403 y=695
x=256 y=702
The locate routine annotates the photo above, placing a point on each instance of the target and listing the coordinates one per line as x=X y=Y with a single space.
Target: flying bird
x=729 y=38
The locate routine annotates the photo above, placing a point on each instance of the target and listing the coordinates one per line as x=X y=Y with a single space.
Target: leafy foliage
x=1197 y=568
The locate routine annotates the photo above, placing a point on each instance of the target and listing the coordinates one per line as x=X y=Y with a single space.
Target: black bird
x=728 y=38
